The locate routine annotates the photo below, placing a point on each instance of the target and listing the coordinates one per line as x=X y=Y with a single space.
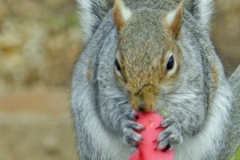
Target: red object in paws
x=147 y=149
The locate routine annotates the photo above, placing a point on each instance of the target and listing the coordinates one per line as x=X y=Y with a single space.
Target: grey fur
x=233 y=139
x=94 y=140
x=197 y=112
x=95 y=11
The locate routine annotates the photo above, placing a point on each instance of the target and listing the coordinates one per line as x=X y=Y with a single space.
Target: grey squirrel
x=149 y=55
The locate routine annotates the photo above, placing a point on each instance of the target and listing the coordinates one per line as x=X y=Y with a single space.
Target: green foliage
x=236 y=156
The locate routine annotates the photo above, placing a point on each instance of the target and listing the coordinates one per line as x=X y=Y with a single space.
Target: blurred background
x=40 y=42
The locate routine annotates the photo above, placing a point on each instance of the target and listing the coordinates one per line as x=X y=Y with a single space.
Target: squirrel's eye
x=170 y=63
x=117 y=65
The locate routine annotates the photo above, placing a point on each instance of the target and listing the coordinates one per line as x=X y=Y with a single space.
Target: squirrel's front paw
x=171 y=136
x=130 y=136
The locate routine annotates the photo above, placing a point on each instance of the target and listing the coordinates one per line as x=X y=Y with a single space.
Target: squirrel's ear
x=121 y=13
x=174 y=20
x=202 y=11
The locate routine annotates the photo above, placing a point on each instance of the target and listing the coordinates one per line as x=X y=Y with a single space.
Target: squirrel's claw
x=130 y=136
x=171 y=136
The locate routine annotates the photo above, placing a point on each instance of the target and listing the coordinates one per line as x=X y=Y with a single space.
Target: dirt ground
x=35 y=124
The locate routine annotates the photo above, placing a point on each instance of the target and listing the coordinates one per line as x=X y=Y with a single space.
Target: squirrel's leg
x=119 y=117
x=201 y=129
x=185 y=116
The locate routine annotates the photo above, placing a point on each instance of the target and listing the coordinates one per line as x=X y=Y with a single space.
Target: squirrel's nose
x=144 y=108
x=141 y=108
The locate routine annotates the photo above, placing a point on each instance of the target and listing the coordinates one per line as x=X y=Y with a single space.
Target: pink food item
x=147 y=148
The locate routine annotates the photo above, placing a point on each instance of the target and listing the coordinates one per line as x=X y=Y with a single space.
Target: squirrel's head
x=148 y=59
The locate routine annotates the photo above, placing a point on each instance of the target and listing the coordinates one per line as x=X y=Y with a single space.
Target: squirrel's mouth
x=145 y=99
x=144 y=103
x=144 y=109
